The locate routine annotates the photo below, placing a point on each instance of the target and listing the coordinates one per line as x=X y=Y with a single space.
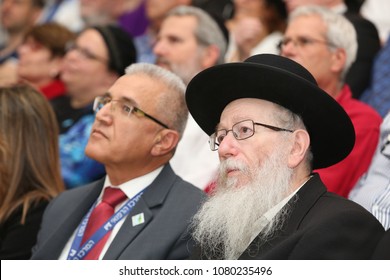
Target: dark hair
x=120 y=45
x=53 y=36
x=278 y=16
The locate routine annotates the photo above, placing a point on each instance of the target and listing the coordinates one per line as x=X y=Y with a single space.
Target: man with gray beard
x=243 y=206
x=268 y=204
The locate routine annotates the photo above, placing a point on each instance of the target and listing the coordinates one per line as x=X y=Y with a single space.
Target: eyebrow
x=122 y=98
x=235 y=120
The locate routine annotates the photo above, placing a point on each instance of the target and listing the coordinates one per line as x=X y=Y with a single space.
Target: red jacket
x=341 y=177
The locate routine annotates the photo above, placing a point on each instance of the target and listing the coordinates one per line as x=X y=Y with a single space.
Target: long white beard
x=226 y=223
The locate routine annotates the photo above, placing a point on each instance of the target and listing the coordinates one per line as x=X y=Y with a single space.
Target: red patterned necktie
x=99 y=216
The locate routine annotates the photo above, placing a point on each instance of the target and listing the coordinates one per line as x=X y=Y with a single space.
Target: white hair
x=340 y=31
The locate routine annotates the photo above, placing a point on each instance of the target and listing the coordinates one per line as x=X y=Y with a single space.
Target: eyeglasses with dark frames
x=125 y=108
x=385 y=148
x=302 y=41
x=70 y=46
x=241 y=130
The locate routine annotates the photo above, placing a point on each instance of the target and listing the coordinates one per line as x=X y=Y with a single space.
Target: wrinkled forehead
x=142 y=89
x=248 y=108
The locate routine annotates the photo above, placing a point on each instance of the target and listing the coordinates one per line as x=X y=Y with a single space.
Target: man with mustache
x=134 y=136
x=272 y=125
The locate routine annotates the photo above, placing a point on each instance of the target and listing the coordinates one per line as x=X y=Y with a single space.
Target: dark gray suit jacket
x=168 y=205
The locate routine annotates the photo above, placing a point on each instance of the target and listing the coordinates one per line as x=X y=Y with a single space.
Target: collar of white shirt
x=134 y=186
x=130 y=188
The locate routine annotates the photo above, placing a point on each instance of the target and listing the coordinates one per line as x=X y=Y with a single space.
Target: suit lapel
x=301 y=204
x=72 y=217
x=153 y=197
x=128 y=232
x=306 y=197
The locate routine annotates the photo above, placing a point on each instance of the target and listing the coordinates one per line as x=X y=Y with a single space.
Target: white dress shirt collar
x=134 y=186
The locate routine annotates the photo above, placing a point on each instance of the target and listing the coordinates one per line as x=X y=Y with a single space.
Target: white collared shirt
x=130 y=188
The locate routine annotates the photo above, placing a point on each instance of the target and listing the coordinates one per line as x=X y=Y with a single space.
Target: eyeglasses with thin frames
x=241 y=130
x=125 y=109
x=301 y=42
x=70 y=46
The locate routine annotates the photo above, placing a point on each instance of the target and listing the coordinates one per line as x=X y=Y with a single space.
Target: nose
x=70 y=56
x=228 y=147
x=104 y=115
x=159 y=47
x=22 y=49
x=288 y=49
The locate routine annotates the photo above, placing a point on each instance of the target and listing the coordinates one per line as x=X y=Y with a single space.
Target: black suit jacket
x=168 y=205
x=321 y=225
x=382 y=251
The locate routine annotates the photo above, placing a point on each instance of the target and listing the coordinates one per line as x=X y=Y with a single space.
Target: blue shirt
x=76 y=168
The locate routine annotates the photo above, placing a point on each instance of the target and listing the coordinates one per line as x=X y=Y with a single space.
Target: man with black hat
x=272 y=125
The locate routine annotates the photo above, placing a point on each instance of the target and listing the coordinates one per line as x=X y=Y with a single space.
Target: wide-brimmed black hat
x=282 y=81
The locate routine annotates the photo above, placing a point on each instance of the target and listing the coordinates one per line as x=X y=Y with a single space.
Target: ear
x=210 y=56
x=165 y=142
x=300 y=145
x=339 y=57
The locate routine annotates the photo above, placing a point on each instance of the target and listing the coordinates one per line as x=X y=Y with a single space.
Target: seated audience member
x=325 y=43
x=188 y=42
x=256 y=27
x=155 y=13
x=41 y=55
x=16 y=18
x=29 y=167
x=93 y=62
x=134 y=136
x=358 y=76
x=377 y=94
x=372 y=191
x=267 y=203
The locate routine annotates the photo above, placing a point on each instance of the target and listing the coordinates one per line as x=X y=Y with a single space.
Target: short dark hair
x=53 y=36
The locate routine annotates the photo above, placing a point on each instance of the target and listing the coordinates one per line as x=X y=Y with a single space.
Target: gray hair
x=207 y=32
x=172 y=105
x=340 y=31
x=289 y=120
